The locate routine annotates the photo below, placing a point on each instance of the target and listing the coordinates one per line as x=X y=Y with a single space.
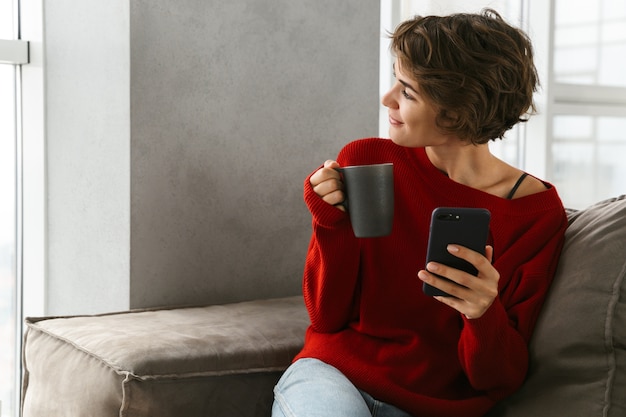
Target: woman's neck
x=468 y=164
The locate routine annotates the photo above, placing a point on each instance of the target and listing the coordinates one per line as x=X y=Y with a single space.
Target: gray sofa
x=224 y=360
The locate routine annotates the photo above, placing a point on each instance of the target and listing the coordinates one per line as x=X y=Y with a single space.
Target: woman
x=377 y=345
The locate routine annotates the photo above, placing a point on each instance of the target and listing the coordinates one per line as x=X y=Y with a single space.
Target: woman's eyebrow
x=407 y=85
x=404 y=83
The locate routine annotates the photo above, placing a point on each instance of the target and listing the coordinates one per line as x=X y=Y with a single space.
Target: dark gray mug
x=369 y=198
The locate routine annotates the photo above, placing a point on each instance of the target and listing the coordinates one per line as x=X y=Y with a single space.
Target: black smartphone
x=467 y=227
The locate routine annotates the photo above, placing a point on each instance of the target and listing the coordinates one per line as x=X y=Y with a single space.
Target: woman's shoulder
x=537 y=200
x=528 y=185
x=515 y=183
x=522 y=194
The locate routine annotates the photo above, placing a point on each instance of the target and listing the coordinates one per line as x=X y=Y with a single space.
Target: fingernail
x=452 y=248
x=432 y=267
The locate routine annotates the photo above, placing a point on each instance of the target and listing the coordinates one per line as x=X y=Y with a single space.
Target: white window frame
x=15 y=52
x=27 y=57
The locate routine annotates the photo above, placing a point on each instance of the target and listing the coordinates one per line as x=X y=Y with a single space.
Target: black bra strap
x=516 y=186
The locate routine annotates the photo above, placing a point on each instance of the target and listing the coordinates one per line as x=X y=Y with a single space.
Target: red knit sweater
x=370 y=319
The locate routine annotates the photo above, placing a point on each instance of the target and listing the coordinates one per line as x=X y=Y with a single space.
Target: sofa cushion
x=164 y=362
x=578 y=350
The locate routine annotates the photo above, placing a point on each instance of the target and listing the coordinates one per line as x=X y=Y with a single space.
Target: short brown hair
x=476 y=69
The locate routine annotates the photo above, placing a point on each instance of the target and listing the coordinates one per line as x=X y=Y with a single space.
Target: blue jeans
x=312 y=388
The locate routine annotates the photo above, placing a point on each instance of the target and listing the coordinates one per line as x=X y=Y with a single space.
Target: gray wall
x=179 y=135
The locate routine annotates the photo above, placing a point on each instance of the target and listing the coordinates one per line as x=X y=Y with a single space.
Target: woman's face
x=411 y=116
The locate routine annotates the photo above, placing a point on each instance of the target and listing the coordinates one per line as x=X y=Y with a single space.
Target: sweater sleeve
x=331 y=268
x=493 y=349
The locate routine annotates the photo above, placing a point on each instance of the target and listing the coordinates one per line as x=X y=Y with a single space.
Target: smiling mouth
x=394 y=122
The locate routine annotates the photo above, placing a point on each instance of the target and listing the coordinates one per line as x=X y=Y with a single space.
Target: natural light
x=577 y=141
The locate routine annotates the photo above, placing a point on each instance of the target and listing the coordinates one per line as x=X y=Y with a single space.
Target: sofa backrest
x=578 y=350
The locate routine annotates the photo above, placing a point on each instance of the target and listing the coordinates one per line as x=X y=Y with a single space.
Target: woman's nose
x=388 y=99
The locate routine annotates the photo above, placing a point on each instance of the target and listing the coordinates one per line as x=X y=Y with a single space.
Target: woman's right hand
x=327 y=184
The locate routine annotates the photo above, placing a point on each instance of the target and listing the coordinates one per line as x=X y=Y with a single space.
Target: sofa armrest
x=220 y=360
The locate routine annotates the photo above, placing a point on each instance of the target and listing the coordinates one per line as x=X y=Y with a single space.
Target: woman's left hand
x=474 y=294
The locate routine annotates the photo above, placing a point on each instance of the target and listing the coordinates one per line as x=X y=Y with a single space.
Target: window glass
x=572 y=128
x=614 y=9
x=590 y=42
x=572 y=173
x=613 y=64
x=588 y=158
x=611 y=129
x=6 y=19
x=612 y=170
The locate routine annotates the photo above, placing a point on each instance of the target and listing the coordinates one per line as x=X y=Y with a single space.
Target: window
x=590 y=42
x=588 y=113
x=578 y=139
x=8 y=244
x=12 y=53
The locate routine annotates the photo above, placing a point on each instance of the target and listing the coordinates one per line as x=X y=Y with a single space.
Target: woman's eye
x=406 y=95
